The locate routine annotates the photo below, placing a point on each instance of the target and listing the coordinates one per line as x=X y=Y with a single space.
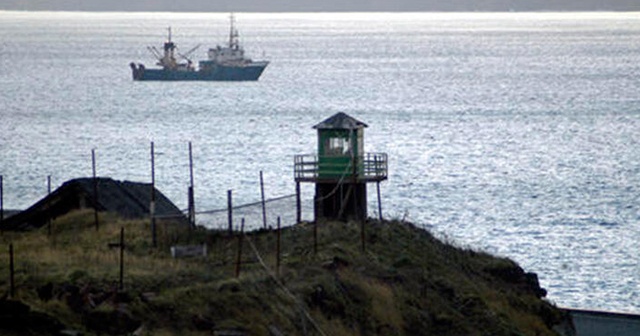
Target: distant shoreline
x=330 y=6
x=537 y=11
x=327 y=12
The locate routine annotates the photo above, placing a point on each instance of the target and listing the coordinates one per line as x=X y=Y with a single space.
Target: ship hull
x=250 y=72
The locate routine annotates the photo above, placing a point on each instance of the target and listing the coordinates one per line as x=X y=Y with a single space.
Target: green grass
x=405 y=282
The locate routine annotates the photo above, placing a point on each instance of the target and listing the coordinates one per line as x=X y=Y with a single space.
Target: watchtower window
x=337 y=146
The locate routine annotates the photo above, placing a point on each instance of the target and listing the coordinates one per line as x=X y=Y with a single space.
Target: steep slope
x=401 y=281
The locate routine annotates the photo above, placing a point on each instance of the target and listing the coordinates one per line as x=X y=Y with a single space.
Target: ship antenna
x=169 y=29
x=233 y=34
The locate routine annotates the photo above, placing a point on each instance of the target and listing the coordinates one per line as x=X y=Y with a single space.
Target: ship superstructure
x=224 y=63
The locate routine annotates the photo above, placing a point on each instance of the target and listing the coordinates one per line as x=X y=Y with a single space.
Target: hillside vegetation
x=403 y=281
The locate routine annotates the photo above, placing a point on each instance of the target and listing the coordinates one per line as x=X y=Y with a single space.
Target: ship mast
x=168 y=60
x=233 y=34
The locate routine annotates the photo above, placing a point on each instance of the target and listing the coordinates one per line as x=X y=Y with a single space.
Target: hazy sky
x=321 y=5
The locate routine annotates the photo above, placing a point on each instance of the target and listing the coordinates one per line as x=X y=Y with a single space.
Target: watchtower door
x=340 y=194
x=336 y=154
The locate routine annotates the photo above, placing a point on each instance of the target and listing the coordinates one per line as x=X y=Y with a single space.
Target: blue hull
x=217 y=73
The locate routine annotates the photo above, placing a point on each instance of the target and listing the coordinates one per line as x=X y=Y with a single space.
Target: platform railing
x=369 y=167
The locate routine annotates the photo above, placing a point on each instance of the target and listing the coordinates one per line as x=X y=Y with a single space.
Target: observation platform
x=369 y=167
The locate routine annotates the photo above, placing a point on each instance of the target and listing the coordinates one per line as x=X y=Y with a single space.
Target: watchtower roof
x=340 y=120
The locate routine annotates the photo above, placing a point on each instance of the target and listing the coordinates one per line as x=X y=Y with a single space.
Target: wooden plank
x=186 y=251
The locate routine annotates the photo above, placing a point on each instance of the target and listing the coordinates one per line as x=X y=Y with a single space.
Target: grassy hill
x=403 y=282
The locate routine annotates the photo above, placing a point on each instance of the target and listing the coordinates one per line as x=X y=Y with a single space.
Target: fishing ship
x=224 y=63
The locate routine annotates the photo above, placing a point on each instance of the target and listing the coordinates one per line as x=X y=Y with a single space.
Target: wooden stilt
x=379 y=201
x=298 y=205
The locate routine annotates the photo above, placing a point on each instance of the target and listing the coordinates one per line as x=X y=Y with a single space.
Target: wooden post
x=239 y=258
x=95 y=189
x=48 y=206
x=230 y=211
x=152 y=206
x=379 y=201
x=278 y=250
x=121 y=258
x=315 y=237
x=362 y=234
x=191 y=210
x=354 y=190
x=298 y=205
x=192 y=204
x=264 y=208
x=1 y=205
x=11 y=271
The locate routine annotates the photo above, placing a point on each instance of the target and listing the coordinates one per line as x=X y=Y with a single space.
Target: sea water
x=513 y=133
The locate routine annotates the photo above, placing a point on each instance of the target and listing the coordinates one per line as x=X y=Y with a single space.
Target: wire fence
x=282 y=206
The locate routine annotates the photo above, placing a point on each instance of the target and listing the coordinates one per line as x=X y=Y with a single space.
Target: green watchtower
x=341 y=169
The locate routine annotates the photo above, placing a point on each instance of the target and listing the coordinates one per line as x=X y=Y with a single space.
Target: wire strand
x=283 y=287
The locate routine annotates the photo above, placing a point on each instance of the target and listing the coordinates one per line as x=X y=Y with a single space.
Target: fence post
x=192 y=204
x=121 y=258
x=152 y=206
x=230 y=211
x=11 y=271
x=298 y=205
x=239 y=258
x=1 y=206
x=278 y=250
x=95 y=188
x=191 y=210
x=362 y=234
x=315 y=237
x=48 y=206
x=264 y=209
